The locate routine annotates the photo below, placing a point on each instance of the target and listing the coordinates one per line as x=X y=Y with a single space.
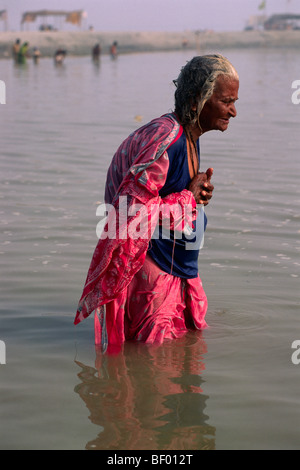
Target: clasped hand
x=201 y=187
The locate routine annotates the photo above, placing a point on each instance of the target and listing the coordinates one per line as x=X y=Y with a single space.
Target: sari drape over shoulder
x=136 y=175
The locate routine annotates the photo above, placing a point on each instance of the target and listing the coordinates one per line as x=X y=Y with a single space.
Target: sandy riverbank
x=80 y=43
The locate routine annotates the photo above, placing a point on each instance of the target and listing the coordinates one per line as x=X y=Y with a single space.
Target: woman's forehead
x=226 y=85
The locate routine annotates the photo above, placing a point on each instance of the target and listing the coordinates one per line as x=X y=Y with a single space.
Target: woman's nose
x=232 y=110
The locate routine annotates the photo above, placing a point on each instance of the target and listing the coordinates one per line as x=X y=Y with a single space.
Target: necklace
x=193 y=154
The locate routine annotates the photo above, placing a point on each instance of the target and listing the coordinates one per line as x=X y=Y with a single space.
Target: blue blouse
x=174 y=255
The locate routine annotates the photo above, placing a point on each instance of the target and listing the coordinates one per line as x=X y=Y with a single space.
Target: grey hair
x=196 y=84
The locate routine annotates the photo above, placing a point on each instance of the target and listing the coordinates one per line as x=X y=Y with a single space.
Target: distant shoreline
x=80 y=43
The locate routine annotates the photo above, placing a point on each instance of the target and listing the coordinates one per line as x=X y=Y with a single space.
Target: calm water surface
x=233 y=386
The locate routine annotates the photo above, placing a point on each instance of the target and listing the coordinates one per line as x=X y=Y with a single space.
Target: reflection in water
x=148 y=398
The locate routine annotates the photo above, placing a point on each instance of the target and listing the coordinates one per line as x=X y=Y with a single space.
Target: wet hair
x=196 y=84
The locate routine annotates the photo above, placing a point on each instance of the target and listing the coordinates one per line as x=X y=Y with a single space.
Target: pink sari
x=131 y=297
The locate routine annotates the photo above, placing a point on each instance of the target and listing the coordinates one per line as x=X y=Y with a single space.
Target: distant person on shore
x=36 y=55
x=16 y=49
x=143 y=282
x=60 y=56
x=23 y=53
x=96 y=52
x=113 y=50
x=184 y=43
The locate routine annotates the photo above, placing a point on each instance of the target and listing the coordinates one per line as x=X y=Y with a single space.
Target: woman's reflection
x=148 y=397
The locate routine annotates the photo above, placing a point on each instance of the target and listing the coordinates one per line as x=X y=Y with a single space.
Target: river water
x=233 y=386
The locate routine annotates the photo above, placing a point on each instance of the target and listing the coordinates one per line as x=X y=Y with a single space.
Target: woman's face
x=218 y=110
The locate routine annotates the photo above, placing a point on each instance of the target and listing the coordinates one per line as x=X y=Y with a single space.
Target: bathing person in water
x=143 y=282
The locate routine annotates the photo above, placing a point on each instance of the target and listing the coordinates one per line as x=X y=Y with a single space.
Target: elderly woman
x=143 y=281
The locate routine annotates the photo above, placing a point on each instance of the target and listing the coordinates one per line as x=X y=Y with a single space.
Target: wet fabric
x=155 y=307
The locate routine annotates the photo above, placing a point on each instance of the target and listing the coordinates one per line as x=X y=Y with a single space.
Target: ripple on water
x=234 y=321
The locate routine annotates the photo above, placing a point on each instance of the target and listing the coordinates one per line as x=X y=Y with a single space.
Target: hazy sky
x=153 y=15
